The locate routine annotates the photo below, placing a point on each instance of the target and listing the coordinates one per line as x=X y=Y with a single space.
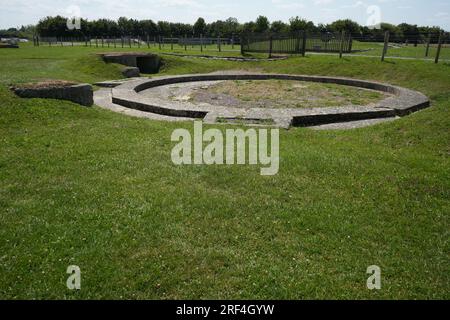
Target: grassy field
x=88 y=187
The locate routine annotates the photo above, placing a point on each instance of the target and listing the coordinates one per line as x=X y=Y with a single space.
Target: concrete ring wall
x=402 y=103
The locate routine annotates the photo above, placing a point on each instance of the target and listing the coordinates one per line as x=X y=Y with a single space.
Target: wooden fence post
x=427 y=51
x=304 y=44
x=270 y=46
x=341 y=47
x=201 y=43
x=386 y=44
x=438 y=53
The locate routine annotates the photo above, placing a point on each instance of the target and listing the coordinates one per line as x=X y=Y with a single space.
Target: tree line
x=57 y=27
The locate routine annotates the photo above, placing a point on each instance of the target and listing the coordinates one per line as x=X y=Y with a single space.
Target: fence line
x=431 y=46
x=296 y=43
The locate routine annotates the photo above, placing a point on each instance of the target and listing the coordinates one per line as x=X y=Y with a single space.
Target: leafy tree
x=279 y=27
x=231 y=26
x=200 y=27
x=57 y=27
x=262 y=24
x=298 y=24
x=346 y=25
x=164 y=28
x=249 y=27
x=410 y=32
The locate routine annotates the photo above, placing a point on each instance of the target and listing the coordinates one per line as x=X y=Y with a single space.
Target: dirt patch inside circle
x=281 y=94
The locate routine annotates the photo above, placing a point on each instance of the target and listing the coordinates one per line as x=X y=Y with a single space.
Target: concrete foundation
x=146 y=62
x=402 y=102
x=81 y=93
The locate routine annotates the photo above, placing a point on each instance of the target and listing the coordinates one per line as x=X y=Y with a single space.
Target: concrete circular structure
x=401 y=102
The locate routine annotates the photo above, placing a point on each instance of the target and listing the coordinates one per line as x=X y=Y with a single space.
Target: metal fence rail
x=296 y=43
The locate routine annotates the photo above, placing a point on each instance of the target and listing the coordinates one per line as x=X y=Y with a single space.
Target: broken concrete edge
x=81 y=93
x=131 y=72
x=404 y=101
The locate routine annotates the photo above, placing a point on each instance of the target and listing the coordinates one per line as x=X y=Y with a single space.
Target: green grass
x=97 y=189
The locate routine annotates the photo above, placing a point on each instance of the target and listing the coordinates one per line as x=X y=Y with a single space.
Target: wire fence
x=162 y=43
x=415 y=46
x=428 y=46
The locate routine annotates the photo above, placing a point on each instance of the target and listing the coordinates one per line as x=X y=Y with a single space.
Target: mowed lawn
x=88 y=187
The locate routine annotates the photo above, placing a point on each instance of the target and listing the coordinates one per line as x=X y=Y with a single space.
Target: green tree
x=346 y=25
x=200 y=27
x=279 y=27
x=262 y=24
x=299 y=24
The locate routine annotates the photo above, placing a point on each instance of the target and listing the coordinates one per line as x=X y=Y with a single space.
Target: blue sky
x=430 y=12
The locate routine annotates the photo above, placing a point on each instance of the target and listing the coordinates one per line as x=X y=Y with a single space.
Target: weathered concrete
x=115 y=83
x=403 y=102
x=146 y=62
x=103 y=99
x=81 y=93
x=131 y=72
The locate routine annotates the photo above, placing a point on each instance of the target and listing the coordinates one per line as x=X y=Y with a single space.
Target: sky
x=15 y=13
